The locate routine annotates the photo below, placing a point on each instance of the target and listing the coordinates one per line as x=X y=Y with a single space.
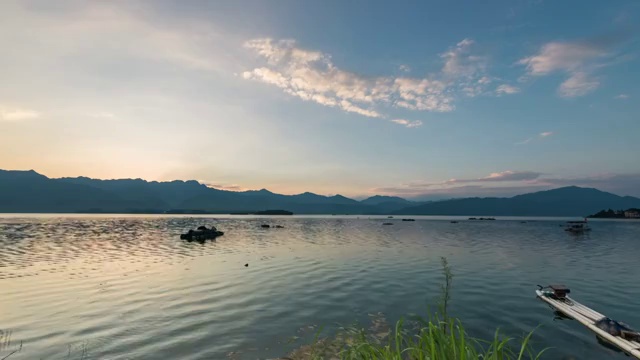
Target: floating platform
x=628 y=340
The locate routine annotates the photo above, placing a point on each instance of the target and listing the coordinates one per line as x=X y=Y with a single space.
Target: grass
x=439 y=337
x=435 y=339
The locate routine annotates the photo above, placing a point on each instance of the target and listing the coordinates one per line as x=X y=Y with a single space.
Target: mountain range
x=31 y=192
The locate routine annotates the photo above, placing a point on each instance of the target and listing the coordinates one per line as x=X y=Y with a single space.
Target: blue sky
x=417 y=99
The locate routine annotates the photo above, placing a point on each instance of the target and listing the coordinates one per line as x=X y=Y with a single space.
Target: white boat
x=628 y=340
x=577 y=227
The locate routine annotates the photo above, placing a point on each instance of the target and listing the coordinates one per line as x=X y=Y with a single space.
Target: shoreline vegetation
x=186 y=212
x=438 y=337
x=632 y=213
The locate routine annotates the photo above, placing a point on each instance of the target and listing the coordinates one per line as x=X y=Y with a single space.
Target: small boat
x=577 y=227
x=201 y=234
x=408 y=219
x=387 y=223
x=610 y=333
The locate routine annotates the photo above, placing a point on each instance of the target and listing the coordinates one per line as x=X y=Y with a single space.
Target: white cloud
x=557 y=56
x=507 y=89
x=226 y=187
x=576 y=59
x=578 y=84
x=484 y=80
x=459 y=61
x=404 y=68
x=540 y=136
x=312 y=76
x=502 y=176
x=408 y=123
x=622 y=96
x=350 y=107
x=507 y=175
x=508 y=178
x=12 y=114
x=509 y=183
x=421 y=94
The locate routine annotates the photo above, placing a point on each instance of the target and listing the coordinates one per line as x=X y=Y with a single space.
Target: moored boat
x=577 y=227
x=611 y=333
x=201 y=233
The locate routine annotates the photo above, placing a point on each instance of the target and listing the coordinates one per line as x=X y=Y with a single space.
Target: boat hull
x=589 y=317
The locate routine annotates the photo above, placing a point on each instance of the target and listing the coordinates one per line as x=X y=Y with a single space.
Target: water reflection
x=128 y=287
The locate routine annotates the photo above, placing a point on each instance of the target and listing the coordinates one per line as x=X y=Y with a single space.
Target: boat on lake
x=201 y=233
x=577 y=227
x=610 y=333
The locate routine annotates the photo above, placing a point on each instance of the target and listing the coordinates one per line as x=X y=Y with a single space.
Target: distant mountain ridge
x=565 y=201
x=30 y=192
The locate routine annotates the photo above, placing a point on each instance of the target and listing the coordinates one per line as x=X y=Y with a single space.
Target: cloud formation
x=504 y=180
x=622 y=96
x=503 y=176
x=459 y=61
x=559 y=56
x=14 y=114
x=623 y=184
x=507 y=89
x=408 y=123
x=507 y=175
x=312 y=76
x=509 y=183
x=578 y=84
x=578 y=60
x=227 y=187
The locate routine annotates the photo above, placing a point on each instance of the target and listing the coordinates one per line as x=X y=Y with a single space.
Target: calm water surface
x=126 y=287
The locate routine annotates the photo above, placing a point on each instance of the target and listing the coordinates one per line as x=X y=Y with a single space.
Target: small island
x=632 y=213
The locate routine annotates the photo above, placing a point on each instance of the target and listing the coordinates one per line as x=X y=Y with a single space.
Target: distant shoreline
x=153 y=212
x=397 y=218
x=629 y=214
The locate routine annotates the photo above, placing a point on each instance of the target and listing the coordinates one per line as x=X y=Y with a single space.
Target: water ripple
x=126 y=287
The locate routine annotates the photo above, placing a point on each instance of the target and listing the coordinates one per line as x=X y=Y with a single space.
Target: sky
x=410 y=98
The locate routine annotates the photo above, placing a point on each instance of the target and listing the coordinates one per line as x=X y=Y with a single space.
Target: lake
x=126 y=287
